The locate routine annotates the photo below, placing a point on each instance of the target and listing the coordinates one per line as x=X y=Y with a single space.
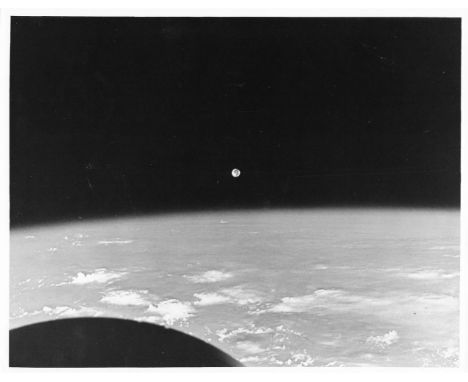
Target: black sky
x=127 y=115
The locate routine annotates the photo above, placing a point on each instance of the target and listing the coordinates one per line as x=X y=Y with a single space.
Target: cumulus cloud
x=300 y=359
x=166 y=312
x=294 y=304
x=209 y=277
x=172 y=310
x=100 y=276
x=243 y=296
x=206 y=299
x=385 y=340
x=126 y=297
x=236 y=295
x=285 y=330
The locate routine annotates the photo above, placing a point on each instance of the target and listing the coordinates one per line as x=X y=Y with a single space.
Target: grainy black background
x=112 y=116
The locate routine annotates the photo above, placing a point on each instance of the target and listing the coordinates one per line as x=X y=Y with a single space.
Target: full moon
x=235 y=173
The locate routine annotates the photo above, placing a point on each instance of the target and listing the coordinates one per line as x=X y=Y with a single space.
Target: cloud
x=126 y=297
x=385 y=340
x=438 y=302
x=225 y=334
x=166 y=312
x=435 y=274
x=449 y=352
x=242 y=296
x=300 y=359
x=304 y=303
x=100 y=276
x=206 y=299
x=253 y=359
x=445 y=247
x=294 y=304
x=336 y=299
x=66 y=311
x=109 y=242
x=236 y=295
x=172 y=310
x=209 y=277
x=264 y=361
x=285 y=330
x=250 y=347
x=320 y=267
x=150 y=319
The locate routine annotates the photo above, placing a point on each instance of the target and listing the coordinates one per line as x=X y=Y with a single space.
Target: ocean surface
x=311 y=287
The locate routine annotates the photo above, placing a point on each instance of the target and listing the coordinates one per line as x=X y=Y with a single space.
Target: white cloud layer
x=127 y=297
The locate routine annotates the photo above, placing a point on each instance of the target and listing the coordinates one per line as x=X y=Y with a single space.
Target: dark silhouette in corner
x=109 y=342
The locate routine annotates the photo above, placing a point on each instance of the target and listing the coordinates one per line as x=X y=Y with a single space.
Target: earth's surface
x=318 y=287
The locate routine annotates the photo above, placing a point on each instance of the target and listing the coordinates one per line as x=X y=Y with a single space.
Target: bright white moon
x=235 y=173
